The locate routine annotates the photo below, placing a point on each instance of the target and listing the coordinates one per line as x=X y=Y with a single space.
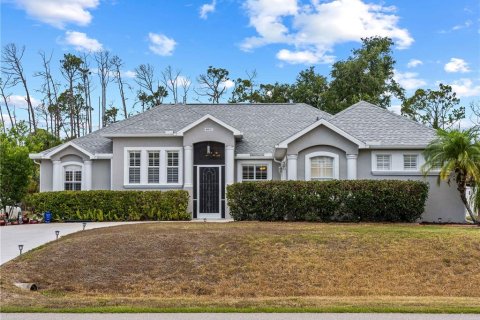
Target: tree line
x=66 y=107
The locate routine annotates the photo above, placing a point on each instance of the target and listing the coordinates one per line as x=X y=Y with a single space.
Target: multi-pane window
x=172 y=166
x=321 y=168
x=153 y=167
x=134 y=167
x=254 y=172
x=410 y=161
x=383 y=162
x=73 y=178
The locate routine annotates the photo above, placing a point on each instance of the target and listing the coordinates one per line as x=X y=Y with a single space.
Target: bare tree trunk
x=170 y=81
x=3 y=121
x=104 y=66
x=462 y=188
x=3 y=85
x=12 y=65
x=117 y=65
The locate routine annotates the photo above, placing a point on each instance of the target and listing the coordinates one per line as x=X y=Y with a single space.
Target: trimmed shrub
x=337 y=200
x=106 y=205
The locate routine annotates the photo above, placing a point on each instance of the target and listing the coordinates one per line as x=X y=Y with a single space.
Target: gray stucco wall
x=443 y=200
x=118 y=153
x=341 y=157
x=198 y=133
x=100 y=174
x=322 y=136
x=46 y=172
x=68 y=152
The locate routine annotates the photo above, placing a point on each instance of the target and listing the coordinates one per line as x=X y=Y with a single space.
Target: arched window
x=72 y=177
x=321 y=165
x=322 y=168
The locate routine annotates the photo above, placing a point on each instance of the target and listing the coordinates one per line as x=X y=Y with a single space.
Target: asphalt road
x=34 y=235
x=237 y=316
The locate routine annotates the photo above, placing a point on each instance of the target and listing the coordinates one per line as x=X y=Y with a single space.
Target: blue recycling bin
x=47 y=217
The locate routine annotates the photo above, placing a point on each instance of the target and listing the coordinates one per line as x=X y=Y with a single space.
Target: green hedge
x=338 y=200
x=105 y=205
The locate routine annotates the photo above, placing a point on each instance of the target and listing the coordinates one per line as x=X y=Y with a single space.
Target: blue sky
x=436 y=41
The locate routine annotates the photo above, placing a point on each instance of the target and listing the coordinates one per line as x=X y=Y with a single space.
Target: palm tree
x=457 y=154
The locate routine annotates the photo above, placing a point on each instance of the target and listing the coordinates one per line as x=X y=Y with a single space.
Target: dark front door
x=209 y=192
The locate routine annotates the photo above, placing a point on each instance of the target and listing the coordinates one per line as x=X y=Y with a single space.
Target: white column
x=57 y=177
x=292 y=167
x=188 y=166
x=352 y=166
x=229 y=164
x=87 y=172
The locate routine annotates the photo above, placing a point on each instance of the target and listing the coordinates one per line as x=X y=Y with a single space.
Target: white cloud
x=183 y=81
x=315 y=29
x=207 y=8
x=465 y=88
x=81 y=42
x=227 y=84
x=129 y=74
x=408 y=80
x=414 y=63
x=456 y=65
x=20 y=102
x=464 y=25
x=58 y=13
x=161 y=44
x=397 y=108
x=6 y=118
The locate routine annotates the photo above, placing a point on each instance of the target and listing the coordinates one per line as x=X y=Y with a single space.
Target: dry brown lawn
x=251 y=264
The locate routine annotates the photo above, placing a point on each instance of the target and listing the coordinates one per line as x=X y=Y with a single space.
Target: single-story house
x=203 y=147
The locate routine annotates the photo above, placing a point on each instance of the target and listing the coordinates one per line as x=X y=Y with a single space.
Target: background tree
x=212 y=83
x=12 y=66
x=170 y=81
x=111 y=115
x=151 y=94
x=117 y=65
x=103 y=69
x=457 y=154
x=436 y=108
x=245 y=90
x=87 y=96
x=310 y=88
x=15 y=170
x=70 y=68
x=366 y=75
x=4 y=84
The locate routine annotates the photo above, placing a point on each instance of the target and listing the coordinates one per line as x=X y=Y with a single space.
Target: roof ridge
x=349 y=108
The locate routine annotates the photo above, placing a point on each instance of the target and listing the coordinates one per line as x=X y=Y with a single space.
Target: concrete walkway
x=237 y=316
x=34 y=235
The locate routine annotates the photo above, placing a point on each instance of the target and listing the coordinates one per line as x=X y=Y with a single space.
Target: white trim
x=66 y=145
x=236 y=132
x=241 y=163
x=212 y=215
x=396 y=161
x=352 y=166
x=308 y=163
x=73 y=163
x=242 y=156
x=144 y=166
x=284 y=143
x=138 y=135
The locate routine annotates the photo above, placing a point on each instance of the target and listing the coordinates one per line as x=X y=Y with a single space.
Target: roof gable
x=321 y=122
x=236 y=132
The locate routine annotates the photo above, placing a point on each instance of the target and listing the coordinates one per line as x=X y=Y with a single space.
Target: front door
x=209 y=192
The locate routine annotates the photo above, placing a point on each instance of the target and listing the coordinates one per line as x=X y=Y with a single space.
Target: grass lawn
x=251 y=267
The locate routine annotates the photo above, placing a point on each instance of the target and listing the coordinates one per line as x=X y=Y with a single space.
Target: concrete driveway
x=34 y=235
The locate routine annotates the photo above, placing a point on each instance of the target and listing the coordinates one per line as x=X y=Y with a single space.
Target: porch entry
x=209 y=180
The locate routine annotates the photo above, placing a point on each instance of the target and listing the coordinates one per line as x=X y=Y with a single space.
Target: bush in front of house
x=337 y=200
x=106 y=205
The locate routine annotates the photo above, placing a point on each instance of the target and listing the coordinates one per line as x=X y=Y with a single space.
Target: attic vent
x=208 y=129
x=168 y=131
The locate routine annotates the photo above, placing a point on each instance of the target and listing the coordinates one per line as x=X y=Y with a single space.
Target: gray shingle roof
x=375 y=125
x=265 y=125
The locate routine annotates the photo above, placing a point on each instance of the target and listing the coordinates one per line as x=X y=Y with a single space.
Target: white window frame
x=149 y=166
x=128 y=166
x=383 y=155
x=397 y=162
x=144 y=166
x=167 y=166
x=416 y=161
x=241 y=163
x=308 y=163
x=77 y=164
